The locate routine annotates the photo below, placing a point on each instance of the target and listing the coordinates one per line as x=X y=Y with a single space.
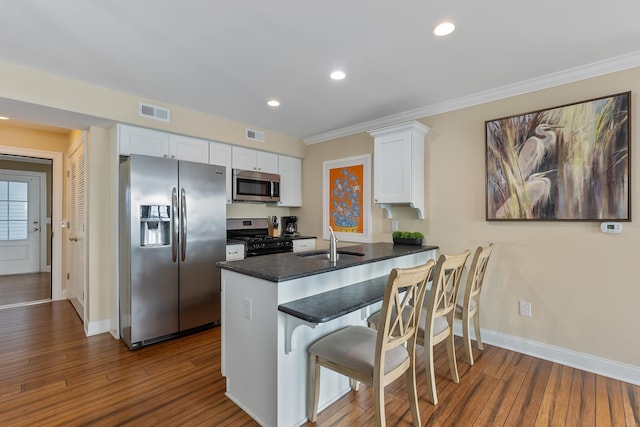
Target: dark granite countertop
x=300 y=237
x=290 y=266
x=235 y=242
x=330 y=305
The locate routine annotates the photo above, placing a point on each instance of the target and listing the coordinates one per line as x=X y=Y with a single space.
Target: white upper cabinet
x=290 y=170
x=220 y=154
x=148 y=142
x=134 y=140
x=398 y=159
x=254 y=160
x=188 y=148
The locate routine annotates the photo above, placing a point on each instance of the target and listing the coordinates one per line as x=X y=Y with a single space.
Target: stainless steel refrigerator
x=172 y=232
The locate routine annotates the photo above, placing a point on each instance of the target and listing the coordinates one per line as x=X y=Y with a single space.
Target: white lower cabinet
x=235 y=252
x=301 y=245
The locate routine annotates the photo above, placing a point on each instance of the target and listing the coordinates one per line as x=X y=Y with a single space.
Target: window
x=13 y=210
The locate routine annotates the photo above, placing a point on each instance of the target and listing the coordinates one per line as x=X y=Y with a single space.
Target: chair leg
x=431 y=375
x=451 y=351
x=378 y=400
x=412 y=392
x=476 y=323
x=466 y=336
x=313 y=388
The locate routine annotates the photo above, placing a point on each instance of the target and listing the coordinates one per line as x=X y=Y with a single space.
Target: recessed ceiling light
x=4 y=118
x=338 y=75
x=444 y=29
x=273 y=103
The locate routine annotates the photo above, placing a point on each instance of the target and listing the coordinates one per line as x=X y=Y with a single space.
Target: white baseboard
x=563 y=356
x=99 y=327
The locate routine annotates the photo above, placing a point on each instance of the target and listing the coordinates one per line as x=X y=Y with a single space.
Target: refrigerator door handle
x=174 y=228
x=183 y=224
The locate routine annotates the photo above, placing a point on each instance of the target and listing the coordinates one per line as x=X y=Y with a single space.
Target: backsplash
x=255 y=210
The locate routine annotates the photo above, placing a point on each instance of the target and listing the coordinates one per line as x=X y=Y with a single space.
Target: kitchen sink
x=324 y=254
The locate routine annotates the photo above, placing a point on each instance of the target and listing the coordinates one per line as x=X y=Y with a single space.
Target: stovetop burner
x=254 y=232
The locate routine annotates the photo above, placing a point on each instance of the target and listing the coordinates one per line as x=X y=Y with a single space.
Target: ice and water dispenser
x=155 y=225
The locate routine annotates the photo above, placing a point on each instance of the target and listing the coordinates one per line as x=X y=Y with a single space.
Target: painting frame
x=566 y=163
x=346 y=200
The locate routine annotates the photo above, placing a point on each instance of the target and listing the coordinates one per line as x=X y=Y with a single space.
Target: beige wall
x=13 y=136
x=36 y=87
x=581 y=283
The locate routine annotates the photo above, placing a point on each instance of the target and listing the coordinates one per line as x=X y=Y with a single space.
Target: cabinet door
x=301 y=245
x=235 y=252
x=220 y=154
x=392 y=168
x=254 y=160
x=243 y=158
x=267 y=162
x=187 y=148
x=134 y=140
x=290 y=170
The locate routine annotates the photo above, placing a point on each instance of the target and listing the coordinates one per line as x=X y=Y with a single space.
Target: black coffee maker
x=290 y=226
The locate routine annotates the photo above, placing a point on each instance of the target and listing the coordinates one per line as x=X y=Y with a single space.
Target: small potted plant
x=407 y=237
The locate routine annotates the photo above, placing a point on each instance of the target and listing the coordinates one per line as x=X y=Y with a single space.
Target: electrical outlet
x=394 y=225
x=248 y=308
x=525 y=308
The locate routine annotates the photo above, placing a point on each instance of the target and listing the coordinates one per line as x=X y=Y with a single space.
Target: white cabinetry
x=188 y=148
x=235 y=252
x=254 y=160
x=290 y=170
x=398 y=159
x=220 y=154
x=148 y=142
x=301 y=245
x=134 y=140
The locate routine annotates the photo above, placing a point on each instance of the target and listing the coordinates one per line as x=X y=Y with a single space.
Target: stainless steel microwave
x=252 y=186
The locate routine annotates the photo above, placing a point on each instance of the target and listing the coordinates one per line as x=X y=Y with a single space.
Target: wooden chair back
x=401 y=307
x=475 y=278
x=445 y=285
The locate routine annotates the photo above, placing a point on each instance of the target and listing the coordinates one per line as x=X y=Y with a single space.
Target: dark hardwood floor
x=51 y=374
x=21 y=288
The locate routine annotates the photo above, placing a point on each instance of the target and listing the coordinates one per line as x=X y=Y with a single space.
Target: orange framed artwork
x=346 y=201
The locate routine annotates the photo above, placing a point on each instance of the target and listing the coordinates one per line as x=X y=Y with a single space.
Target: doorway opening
x=25 y=219
x=30 y=208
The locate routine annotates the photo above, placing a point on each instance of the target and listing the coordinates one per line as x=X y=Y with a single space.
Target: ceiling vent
x=254 y=135
x=154 y=112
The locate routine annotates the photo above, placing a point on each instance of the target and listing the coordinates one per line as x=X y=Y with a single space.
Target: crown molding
x=571 y=75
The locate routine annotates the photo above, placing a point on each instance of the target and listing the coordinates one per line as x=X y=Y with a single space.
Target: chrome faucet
x=333 y=247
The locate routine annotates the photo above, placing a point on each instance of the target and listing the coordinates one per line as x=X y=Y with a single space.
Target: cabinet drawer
x=302 y=245
x=235 y=252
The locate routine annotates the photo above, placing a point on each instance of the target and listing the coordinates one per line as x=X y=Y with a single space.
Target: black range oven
x=254 y=233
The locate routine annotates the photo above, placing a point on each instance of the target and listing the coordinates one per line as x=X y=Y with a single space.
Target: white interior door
x=75 y=232
x=20 y=222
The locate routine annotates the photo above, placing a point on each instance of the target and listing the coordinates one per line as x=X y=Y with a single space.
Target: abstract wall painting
x=346 y=198
x=565 y=163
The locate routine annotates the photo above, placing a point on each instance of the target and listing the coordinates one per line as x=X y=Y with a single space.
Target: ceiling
x=228 y=57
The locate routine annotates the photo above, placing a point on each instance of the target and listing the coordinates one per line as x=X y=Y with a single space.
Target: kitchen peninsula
x=266 y=328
